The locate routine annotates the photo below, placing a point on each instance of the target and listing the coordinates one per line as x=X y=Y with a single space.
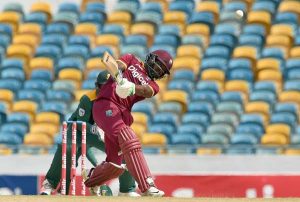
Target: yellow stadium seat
x=274 y=139
x=260 y=17
x=6 y=95
x=279 y=128
x=19 y=50
x=292 y=151
x=48 y=117
x=295 y=52
x=198 y=28
x=47 y=128
x=290 y=6
x=210 y=6
x=139 y=129
x=12 y=18
x=140 y=117
x=154 y=139
x=43 y=7
x=283 y=29
x=84 y=2
x=80 y=93
x=30 y=28
x=6 y=151
x=282 y=41
x=41 y=63
x=260 y=107
x=146 y=29
x=27 y=39
x=187 y=62
x=270 y=75
x=175 y=17
x=25 y=106
x=177 y=96
x=95 y=63
x=189 y=50
x=87 y=29
x=164 y=4
x=209 y=151
x=38 y=139
x=213 y=75
x=268 y=63
x=248 y=52
x=238 y=85
x=108 y=39
x=290 y=96
x=70 y=74
x=119 y=17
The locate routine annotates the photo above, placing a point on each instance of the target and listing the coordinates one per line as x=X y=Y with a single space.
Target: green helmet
x=102 y=77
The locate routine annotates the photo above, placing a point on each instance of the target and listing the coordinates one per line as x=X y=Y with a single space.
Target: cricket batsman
x=112 y=113
x=93 y=139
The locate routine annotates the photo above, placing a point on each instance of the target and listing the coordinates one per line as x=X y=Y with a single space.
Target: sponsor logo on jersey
x=108 y=112
x=137 y=75
x=81 y=112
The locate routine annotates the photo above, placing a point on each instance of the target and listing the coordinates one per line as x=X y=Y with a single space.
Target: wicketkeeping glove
x=126 y=89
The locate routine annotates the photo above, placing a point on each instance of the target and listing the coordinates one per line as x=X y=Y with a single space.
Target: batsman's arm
x=144 y=91
x=83 y=113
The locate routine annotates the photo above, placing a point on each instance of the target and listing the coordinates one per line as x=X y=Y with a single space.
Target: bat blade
x=112 y=67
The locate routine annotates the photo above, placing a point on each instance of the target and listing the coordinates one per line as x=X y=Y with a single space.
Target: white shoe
x=130 y=194
x=153 y=191
x=94 y=191
x=46 y=188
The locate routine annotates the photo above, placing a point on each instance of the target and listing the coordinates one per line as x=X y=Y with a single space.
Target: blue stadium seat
x=68 y=19
x=292 y=85
x=151 y=17
x=138 y=50
x=184 y=6
x=257 y=29
x=41 y=74
x=206 y=95
x=11 y=84
x=65 y=85
x=166 y=118
x=265 y=86
x=68 y=62
x=6 y=29
x=293 y=74
x=146 y=107
x=228 y=28
x=55 y=28
x=76 y=51
x=11 y=139
x=12 y=73
x=252 y=118
x=3 y=112
x=93 y=74
x=169 y=29
x=187 y=86
x=170 y=106
x=295 y=139
x=265 y=96
x=191 y=128
x=184 y=139
x=273 y=52
x=95 y=18
x=233 y=96
x=69 y=7
x=113 y=29
x=170 y=49
x=214 y=63
x=215 y=139
x=201 y=119
x=241 y=74
x=291 y=108
x=151 y=6
x=268 y=6
x=58 y=107
x=244 y=139
x=284 y=117
x=12 y=63
x=193 y=40
x=95 y=7
x=32 y=95
x=230 y=106
x=223 y=40
x=166 y=39
x=50 y=51
x=203 y=17
x=129 y=6
x=250 y=128
x=38 y=18
x=183 y=74
x=286 y=18
x=59 y=95
x=58 y=40
x=17 y=128
x=251 y=40
x=217 y=51
x=240 y=149
x=167 y=129
x=4 y=41
x=19 y=118
x=225 y=118
x=201 y=107
x=99 y=51
x=88 y=84
x=136 y=39
x=207 y=85
x=80 y=40
x=235 y=5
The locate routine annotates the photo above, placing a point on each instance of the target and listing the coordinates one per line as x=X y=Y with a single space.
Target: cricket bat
x=112 y=67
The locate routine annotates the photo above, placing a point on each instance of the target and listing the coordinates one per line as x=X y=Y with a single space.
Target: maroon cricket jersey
x=136 y=73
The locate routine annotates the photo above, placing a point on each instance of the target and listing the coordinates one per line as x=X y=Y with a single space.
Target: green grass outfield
x=23 y=198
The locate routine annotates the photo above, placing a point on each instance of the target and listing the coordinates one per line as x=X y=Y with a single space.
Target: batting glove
x=126 y=89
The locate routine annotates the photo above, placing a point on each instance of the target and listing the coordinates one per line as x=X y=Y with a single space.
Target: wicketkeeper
x=93 y=140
